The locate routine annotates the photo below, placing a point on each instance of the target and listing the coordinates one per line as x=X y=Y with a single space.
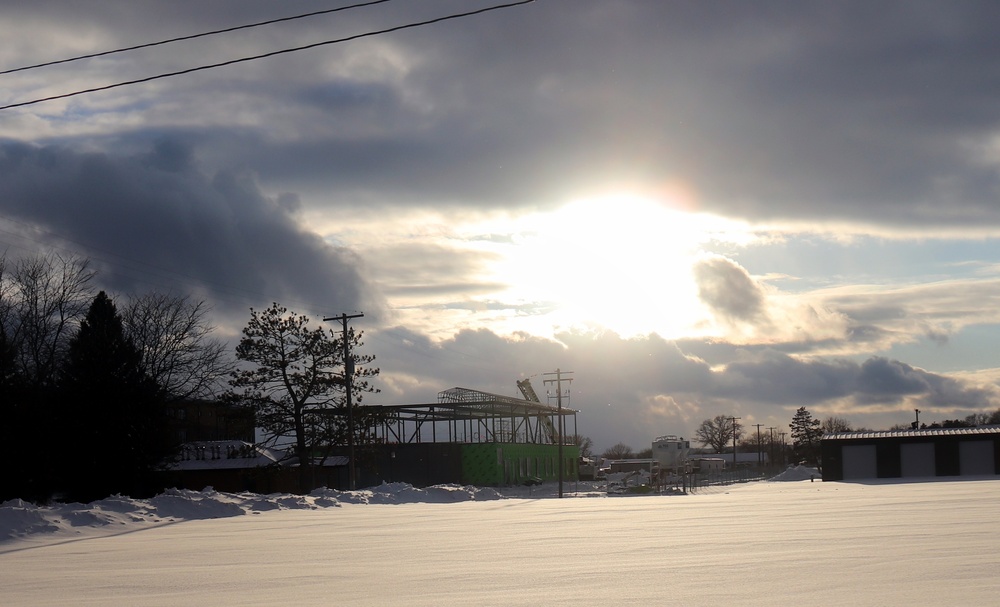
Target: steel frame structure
x=470 y=416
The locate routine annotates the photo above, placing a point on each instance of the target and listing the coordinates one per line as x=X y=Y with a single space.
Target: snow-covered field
x=769 y=543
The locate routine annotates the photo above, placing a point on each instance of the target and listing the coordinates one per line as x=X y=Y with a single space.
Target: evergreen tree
x=293 y=381
x=8 y=375
x=806 y=435
x=113 y=438
x=42 y=300
x=13 y=412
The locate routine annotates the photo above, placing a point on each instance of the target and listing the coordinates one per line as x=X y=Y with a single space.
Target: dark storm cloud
x=881 y=377
x=154 y=221
x=766 y=110
x=884 y=380
x=770 y=110
x=774 y=378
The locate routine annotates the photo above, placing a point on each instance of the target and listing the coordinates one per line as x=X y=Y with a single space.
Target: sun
x=619 y=262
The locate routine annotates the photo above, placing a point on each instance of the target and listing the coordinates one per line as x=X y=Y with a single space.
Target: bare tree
x=982 y=418
x=44 y=297
x=752 y=442
x=585 y=444
x=718 y=432
x=173 y=337
x=832 y=425
x=619 y=451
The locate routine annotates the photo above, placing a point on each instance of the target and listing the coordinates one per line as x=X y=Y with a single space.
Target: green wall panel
x=494 y=464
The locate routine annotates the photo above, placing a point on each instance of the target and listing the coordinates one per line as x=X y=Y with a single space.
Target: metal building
x=911 y=453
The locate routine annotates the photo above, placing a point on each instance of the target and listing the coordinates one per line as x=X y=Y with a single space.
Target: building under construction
x=472 y=438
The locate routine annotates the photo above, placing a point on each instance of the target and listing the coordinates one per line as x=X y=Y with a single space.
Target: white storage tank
x=670 y=452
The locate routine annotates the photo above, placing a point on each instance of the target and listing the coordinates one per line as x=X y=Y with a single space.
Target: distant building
x=743 y=459
x=630 y=465
x=911 y=453
x=670 y=452
x=709 y=464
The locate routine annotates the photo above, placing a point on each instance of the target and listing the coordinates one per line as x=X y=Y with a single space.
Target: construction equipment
x=524 y=385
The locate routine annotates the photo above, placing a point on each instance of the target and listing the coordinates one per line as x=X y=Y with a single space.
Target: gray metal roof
x=979 y=430
x=223 y=455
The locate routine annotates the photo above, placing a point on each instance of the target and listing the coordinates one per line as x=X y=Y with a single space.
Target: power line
x=266 y=55
x=189 y=37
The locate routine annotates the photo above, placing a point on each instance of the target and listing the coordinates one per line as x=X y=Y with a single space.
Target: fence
x=743 y=474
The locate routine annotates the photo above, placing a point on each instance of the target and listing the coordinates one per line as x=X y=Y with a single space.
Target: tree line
x=84 y=383
x=806 y=433
x=87 y=383
x=721 y=432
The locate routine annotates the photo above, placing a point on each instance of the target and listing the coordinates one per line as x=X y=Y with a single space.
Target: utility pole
x=760 y=457
x=560 y=433
x=782 y=435
x=348 y=380
x=770 y=444
x=733 y=420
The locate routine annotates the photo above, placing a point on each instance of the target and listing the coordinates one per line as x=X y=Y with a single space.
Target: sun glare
x=622 y=263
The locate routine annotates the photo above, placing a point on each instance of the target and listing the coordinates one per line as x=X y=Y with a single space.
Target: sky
x=764 y=543
x=697 y=208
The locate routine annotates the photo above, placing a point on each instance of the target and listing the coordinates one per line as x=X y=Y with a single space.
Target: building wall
x=483 y=464
x=479 y=464
x=419 y=464
x=513 y=464
x=917 y=456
